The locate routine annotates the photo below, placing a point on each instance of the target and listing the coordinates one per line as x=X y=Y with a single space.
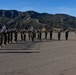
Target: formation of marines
x=10 y=35
x=37 y=33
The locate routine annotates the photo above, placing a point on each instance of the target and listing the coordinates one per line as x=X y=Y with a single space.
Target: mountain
x=18 y=19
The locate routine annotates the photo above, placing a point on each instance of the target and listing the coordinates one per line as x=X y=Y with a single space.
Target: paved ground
x=40 y=58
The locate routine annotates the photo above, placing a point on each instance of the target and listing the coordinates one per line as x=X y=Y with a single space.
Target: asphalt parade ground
x=45 y=57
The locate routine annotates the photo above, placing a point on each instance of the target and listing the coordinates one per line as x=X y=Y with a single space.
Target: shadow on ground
x=23 y=52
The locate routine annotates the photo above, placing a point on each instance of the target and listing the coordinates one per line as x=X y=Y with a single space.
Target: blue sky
x=47 y=6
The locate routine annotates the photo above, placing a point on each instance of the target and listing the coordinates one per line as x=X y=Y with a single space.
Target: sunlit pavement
x=48 y=57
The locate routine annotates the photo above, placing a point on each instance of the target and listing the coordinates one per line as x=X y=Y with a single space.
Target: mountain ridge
x=18 y=19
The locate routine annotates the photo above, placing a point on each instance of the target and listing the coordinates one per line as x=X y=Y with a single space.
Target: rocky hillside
x=18 y=19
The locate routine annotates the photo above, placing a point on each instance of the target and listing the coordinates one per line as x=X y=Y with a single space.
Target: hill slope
x=18 y=19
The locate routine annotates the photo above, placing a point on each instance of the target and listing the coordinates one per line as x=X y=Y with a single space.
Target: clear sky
x=47 y=6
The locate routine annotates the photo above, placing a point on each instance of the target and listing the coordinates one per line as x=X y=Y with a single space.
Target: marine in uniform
x=24 y=34
x=51 y=31
x=15 y=35
x=66 y=34
x=29 y=34
x=46 y=34
x=59 y=35
x=39 y=34
x=1 y=37
x=11 y=35
x=5 y=36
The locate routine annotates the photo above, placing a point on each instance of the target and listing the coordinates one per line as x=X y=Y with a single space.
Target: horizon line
x=38 y=12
